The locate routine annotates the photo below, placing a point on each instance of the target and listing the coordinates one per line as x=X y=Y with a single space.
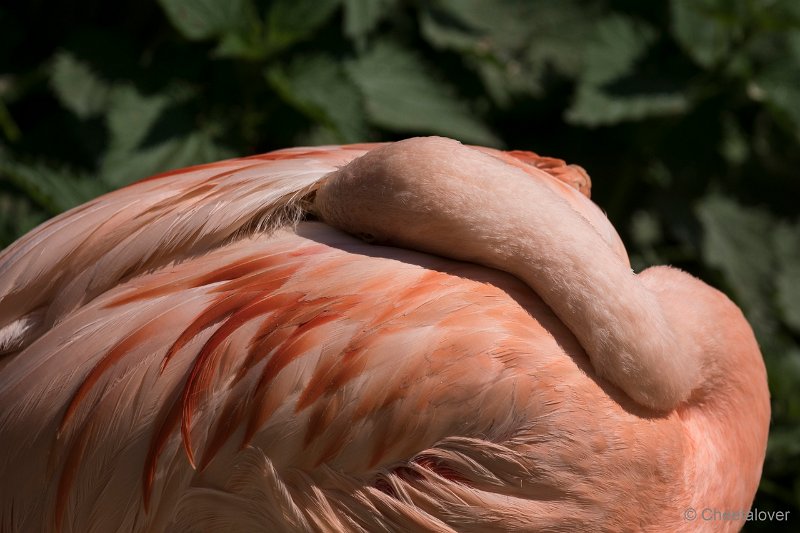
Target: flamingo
x=409 y=336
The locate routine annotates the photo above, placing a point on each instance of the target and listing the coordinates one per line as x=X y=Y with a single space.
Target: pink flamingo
x=208 y=350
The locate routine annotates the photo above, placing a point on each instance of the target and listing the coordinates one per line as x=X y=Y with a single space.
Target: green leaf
x=502 y=76
x=317 y=135
x=773 y=15
x=706 y=29
x=735 y=242
x=551 y=46
x=18 y=215
x=784 y=443
x=137 y=150
x=595 y=107
x=610 y=90
x=401 y=95
x=503 y=81
x=361 y=17
x=513 y=45
x=77 y=87
x=318 y=87
x=733 y=146
x=449 y=33
x=503 y=24
x=7 y=123
x=177 y=152
x=779 y=86
x=203 y=19
x=290 y=21
x=131 y=115
x=617 y=43
x=787 y=275
x=646 y=234
x=784 y=382
x=53 y=189
x=241 y=45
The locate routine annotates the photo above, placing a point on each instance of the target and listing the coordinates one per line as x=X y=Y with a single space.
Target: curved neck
x=438 y=196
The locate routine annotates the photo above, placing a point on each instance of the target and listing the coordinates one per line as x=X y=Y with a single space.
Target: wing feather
x=177 y=355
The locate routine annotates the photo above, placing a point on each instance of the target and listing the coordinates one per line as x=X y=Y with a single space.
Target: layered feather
x=188 y=354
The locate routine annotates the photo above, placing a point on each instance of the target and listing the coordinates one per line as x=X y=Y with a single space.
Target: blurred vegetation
x=686 y=113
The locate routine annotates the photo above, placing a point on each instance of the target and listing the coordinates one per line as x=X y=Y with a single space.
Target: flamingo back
x=191 y=353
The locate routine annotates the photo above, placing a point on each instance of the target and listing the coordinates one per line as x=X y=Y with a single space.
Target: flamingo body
x=180 y=355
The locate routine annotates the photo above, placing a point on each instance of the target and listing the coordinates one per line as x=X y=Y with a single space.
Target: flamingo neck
x=438 y=196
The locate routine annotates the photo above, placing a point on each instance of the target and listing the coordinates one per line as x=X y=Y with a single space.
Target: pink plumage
x=207 y=350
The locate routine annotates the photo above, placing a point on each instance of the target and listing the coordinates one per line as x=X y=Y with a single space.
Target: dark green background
x=686 y=114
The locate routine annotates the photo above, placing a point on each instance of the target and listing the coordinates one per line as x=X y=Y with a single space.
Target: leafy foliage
x=687 y=114
x=400 y=95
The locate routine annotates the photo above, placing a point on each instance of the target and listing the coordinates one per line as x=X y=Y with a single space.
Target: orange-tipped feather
x=205 y=349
